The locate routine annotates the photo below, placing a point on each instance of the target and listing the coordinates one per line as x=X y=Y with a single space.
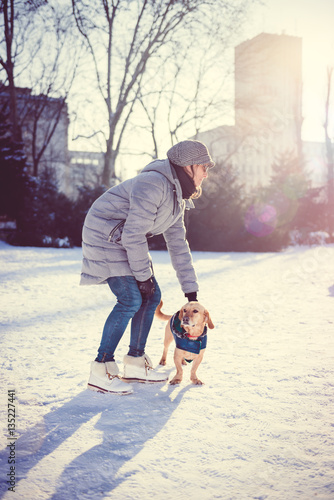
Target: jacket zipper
x=174 y=199
x=115 y=229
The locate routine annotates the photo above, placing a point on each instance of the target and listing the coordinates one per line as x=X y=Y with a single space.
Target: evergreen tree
x=12 y=173
x=38 y=222
x=43 y=215
x=217 y=222
x=87 y=195
x=272 y=213
x=50 y=218
x=312 y=214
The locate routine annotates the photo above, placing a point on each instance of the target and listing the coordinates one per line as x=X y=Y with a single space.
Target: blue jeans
x=129 y=306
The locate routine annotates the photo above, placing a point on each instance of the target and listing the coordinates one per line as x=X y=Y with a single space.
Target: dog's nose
x=185 y=319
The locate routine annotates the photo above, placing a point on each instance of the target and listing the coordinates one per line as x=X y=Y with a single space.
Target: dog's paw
x=197 y=381
x=162 y=362
x=175 y=381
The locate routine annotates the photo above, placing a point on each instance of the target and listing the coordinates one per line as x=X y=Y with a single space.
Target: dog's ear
x=208 y=320
x=181 y=314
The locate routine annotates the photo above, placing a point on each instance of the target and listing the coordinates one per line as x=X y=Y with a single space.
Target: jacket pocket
x=115 y=234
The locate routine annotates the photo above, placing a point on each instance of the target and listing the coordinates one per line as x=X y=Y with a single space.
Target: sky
x=312 y=20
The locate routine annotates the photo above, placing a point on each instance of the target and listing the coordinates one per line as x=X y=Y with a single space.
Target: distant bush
x=216 y=223
x=227 y=218
x=49 y=218
x=43 y=216
x=13 y=178
x=87 y=195
x=298 y=237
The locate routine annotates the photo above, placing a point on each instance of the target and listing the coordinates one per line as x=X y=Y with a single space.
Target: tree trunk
x=330 y=163
x=8 y=11
x=108 y=175
x=330 y=177
x=16 y=130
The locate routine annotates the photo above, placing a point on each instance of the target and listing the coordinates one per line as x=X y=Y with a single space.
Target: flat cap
x=190 y=153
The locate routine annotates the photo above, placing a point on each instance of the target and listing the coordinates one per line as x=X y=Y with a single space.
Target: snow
x=261 y=427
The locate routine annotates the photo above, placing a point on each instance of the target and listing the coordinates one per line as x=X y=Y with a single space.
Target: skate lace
x=148 y=366
x=111 y=377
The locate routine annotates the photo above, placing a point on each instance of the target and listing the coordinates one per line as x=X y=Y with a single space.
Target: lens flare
x=261 y=220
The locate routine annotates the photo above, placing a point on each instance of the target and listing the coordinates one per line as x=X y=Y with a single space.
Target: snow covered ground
x=261 y=427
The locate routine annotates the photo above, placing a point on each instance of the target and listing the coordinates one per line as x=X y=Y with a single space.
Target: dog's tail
x=160 y=315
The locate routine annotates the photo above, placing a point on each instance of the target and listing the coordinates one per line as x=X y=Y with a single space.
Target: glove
x=191 y=296
x=146 y=288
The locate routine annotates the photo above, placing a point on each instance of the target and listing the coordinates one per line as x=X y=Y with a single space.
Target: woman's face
x=198 y=173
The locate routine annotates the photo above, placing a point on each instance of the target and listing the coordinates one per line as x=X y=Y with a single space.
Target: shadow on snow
x=126 y=422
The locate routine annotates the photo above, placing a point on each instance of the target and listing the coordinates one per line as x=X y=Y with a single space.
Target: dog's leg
x=178 y=357
x=197 y=361
x=167 y=341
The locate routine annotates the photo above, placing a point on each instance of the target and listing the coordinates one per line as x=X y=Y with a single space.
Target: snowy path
x=261 y=427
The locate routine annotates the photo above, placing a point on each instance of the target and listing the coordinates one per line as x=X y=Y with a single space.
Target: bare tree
x=127 y=41
x=39 y=53
x=51 y=78
x=329 y=151
x=189 y=97
x=11 y=48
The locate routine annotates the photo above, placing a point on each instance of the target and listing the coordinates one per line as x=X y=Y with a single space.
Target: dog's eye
x=184 y=310
x=195 y=311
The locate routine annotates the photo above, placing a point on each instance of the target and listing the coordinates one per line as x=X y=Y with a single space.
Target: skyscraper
x=268 y=103
x=268 y=112
x=268 y=93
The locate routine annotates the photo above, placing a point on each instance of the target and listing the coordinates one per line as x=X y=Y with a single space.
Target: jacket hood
x=165 y=168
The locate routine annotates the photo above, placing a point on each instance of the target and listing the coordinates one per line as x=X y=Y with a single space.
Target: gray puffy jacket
x=118 y=224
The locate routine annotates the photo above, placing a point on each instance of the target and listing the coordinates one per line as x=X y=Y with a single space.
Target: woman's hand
x=146 y=288
x=191 y=296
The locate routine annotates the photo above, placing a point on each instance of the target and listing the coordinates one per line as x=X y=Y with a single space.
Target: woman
x=115 y=251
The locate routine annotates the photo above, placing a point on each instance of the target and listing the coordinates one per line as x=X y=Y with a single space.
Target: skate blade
x=104 y=391
x=143 y=381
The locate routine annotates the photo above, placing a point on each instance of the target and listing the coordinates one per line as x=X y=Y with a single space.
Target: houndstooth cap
x=190 y=153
